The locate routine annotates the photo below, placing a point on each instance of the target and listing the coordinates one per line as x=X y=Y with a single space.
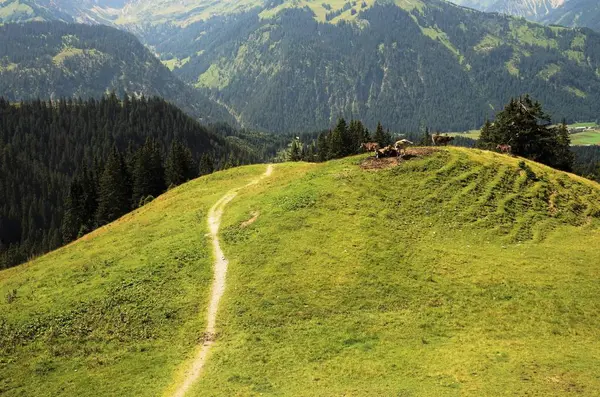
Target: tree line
x=522 y=125
x=126 y=181
x=346 y=139
x=61 y=160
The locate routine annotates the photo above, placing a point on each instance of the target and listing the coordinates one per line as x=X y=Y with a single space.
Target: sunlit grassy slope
x=448 y=275
x=458 y=273
x=115 y=313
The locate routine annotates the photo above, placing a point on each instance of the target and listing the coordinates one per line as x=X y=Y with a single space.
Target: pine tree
x=380 y=136
x=74 y=212
x=89 y=185
x=206 y=165
x=180 y=166
x=294 y=152
x=357 y=135
x=323 y=147
x=426 y=137
x=114 y=193
x=526 y=128
x=564 y=157
x=486 y=136
x=336 y=141
x=149 y=173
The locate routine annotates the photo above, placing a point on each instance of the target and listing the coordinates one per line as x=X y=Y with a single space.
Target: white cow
x=401 y=146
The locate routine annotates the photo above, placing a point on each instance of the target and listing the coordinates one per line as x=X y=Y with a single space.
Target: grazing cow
x=401 y=146
x=441 y=140
x=504 y=149
x=388 y=151
x=370 y=147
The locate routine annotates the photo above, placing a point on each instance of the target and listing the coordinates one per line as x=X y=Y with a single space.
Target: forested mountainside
x=576 y=13
x=298 y=66
x=54 y=59
x=44 y=145
x=531 y=9
x=440 y=65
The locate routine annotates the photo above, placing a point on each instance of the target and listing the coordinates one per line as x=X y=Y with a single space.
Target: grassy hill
x=458 y=272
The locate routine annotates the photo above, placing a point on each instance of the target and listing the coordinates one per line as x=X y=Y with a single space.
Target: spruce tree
x=74 y=212
x=206 y=165
x=486 y=136
x=380 y=136
x=323 y=147
x=180 y=166
x=336 y=140
x=89 y=185
x=148 y=173
x=564 y=157
x=114 y=192
x=526 y=128
x=294 y=151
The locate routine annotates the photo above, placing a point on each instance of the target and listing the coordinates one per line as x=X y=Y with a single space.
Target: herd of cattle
x=399 y=148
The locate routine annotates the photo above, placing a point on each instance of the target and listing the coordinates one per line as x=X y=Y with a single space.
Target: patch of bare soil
x=373 y=163
x=250 y=221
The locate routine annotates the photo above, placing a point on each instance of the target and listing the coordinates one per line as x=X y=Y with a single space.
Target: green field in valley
x=589 y=137
x=455 y=273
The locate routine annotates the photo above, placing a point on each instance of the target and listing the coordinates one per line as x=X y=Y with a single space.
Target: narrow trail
x=218 y=287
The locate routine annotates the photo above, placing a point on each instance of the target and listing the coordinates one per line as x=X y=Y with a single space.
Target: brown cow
x=370 y=146
x=401 y=146
x=388 y=151
x=443 y=140
x=504 y=149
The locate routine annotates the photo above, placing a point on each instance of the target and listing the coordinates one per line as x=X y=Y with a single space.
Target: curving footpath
x=218 y=288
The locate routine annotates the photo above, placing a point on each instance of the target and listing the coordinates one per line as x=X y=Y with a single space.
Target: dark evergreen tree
x=148 y=173
x=336 y=140
x=486 y=136
x=207 y=165
x=294 y=151
x=74 y=211
x=180 y=166
x=323 y=147
x=114 y=195
x=89 y=184
x=526 y=128
x=380 y=136
x=564 y=156
x=425 y=137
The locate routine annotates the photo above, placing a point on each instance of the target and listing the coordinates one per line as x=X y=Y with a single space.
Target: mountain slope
x=576 y=13
x=457 y=273
x=436 y=64
x=530 y=9
x=54 y=59
x=299 y=65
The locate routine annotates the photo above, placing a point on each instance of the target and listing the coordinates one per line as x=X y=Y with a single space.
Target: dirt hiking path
x=218 y=288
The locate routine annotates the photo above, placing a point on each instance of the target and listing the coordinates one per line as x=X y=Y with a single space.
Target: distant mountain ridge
x=299 y=65
x=55 y=59
x=576 y=13
x=532 y=9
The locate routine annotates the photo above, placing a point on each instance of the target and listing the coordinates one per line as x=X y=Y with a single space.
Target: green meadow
x=591 y=137
x=457 y=273
x=118 y=311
